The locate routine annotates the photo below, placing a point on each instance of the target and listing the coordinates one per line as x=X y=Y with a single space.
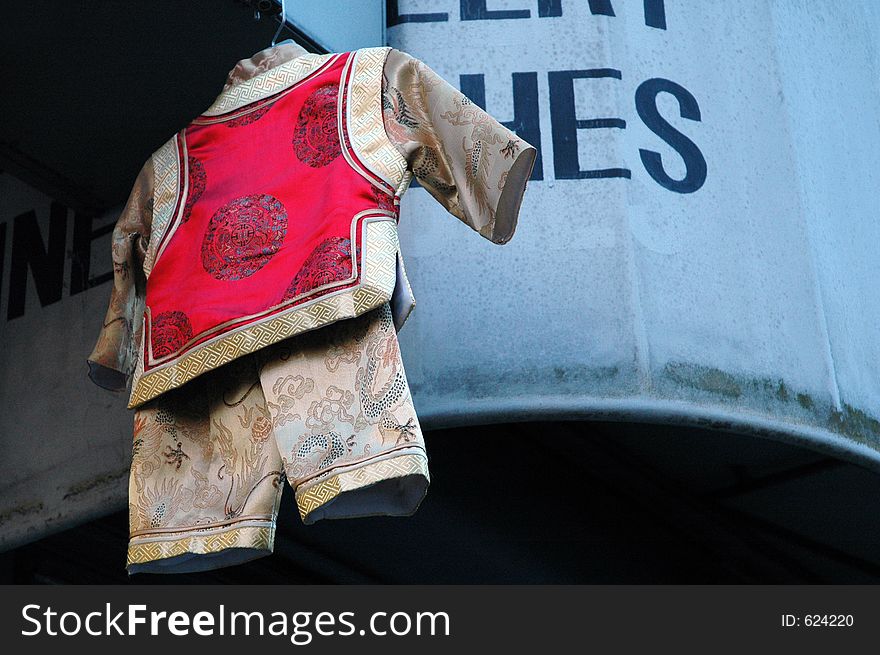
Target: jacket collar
x=262 y=61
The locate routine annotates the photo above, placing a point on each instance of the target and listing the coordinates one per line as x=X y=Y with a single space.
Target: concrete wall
x=65 y=444
x=708 y=256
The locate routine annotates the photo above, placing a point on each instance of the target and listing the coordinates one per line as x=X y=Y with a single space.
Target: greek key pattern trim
x=166 y=171
x=322 y=492
x=267 y=83
x=380 y=246
x=257 y=537
x=366 y=127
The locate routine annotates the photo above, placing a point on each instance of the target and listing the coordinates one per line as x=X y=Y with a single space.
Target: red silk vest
x=272 y=223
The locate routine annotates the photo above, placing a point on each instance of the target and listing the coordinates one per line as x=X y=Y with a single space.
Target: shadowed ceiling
x=92 y=89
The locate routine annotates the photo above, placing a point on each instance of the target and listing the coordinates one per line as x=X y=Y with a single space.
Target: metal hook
x=281 y=26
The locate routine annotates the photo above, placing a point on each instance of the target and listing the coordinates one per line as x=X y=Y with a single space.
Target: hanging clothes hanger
x=281 y=25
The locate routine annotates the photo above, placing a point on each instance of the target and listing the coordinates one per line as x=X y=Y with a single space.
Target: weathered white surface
x=65 y=443
x=750 y=303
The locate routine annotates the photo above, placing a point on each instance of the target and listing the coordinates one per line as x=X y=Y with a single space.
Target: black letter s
x=646 y=106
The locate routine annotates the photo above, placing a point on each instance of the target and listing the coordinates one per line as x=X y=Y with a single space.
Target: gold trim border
x=268 y=82
x=257 y=537
x=324 y=491
x=364 y=121
x=345 y=135
x=166 y=173
x=380 y=246
x=168 y=229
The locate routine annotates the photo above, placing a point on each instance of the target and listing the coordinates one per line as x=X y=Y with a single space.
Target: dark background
x=92 y=88
x=571 y=502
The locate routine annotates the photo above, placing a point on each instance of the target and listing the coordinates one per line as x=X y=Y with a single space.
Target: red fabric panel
x=269 y=191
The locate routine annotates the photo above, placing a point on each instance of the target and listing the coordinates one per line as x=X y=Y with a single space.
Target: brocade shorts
x=328 y=411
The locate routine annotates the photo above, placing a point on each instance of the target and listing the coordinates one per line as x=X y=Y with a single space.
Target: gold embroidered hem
x=393 y=486
x=177 y=552
x=377 y=284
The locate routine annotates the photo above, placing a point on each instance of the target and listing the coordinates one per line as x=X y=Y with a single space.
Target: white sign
x=700 y=243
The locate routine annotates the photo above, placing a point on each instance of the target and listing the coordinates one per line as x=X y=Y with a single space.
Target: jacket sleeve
x=474 y=166
x=113 y=359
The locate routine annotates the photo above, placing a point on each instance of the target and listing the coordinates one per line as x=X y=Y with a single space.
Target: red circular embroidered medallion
x=243 y=236
x=170 y=332
x=196 y=186
x=330 y=261
x=316 y=139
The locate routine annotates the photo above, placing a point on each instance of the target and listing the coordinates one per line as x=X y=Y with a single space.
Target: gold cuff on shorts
x=147 y=552
x=411 y=465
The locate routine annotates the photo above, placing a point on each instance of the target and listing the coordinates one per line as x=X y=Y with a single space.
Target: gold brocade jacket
x=402 y=121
